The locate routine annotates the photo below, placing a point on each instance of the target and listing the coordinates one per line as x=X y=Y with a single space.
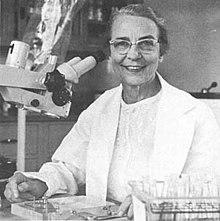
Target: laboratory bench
x=209 y=95
x=43 y=136
x=6 y=213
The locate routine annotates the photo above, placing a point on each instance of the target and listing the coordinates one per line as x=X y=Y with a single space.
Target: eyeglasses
x=123 y=46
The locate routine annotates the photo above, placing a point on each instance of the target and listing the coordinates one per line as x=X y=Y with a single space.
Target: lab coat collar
x=100 y=149
x=174 y=131
x=173 y=98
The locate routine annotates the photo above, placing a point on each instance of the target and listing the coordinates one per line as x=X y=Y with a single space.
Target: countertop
x=5 y=212
x=209 y=95
x=6 y=215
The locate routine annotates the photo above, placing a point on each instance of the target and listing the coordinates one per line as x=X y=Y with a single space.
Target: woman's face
x=135 y=68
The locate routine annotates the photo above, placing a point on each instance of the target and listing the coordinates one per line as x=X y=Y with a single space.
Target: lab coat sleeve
x=67 y=169
x=204 y=154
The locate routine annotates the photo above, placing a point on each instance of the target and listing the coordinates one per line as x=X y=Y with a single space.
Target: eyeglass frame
x=156 y=41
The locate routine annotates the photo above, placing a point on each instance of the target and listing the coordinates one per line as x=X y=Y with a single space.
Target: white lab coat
x=187 y=140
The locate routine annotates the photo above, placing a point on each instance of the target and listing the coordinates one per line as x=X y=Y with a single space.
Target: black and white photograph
x=110 y=110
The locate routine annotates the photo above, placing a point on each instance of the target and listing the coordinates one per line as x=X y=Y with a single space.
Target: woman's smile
x=133 y=68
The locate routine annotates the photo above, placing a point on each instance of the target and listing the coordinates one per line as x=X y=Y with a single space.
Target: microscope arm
x=21 y=78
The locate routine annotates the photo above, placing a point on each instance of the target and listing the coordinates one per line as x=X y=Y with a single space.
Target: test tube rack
x=186 y=198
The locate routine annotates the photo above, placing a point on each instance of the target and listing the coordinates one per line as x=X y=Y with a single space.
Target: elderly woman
x=144 y=127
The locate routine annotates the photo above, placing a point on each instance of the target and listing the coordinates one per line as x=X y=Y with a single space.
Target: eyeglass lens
x=145 y=45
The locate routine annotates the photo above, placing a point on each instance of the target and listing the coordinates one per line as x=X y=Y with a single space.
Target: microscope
x=46 y=89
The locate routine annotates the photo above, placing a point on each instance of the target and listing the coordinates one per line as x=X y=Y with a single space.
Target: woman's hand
x=21 y=188
x=126 y=208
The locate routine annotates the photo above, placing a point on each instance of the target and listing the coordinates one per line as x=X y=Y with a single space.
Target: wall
x=193 y=61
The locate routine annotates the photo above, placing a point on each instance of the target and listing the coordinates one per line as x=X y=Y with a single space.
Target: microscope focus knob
x=61 y=97
x=54 y=81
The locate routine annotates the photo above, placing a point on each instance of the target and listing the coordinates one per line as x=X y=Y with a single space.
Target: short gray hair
x=142 y=10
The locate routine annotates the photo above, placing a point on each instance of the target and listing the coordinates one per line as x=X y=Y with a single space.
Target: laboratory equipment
x=45 y=90
x=186 y=198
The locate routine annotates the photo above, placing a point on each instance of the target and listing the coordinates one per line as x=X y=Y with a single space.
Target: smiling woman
x=143 y=128
x=137 y=68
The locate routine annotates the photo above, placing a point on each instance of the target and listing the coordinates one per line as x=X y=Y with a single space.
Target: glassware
x=177 y=198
